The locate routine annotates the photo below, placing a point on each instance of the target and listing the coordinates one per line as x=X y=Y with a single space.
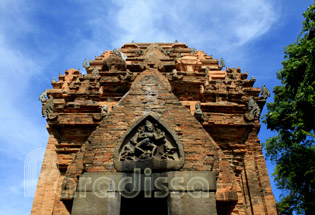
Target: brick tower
x=153 y=125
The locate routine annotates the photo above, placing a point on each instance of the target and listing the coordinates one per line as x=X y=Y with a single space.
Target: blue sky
x=40 y=39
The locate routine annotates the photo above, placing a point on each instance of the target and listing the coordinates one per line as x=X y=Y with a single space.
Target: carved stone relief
x=198 y=112
x=149 y=144
x=264 y=92
x=43 y=96
x=48 y=108
x=253 y=109
x=174 y=74
x=86 y=64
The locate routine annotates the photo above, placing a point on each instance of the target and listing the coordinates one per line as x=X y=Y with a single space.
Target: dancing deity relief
x=149 y=142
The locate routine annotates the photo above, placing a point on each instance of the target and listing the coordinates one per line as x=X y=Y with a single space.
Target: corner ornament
x=149 y=144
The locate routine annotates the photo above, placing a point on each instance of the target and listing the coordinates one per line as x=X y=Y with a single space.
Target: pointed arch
x=149 y=143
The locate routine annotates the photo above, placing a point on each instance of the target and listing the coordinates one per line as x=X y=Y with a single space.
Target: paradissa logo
x=153 y=185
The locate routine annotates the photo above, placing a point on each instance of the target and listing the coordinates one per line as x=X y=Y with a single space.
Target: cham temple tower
x=154 y=128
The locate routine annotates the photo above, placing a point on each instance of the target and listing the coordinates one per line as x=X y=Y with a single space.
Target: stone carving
x=222 y=62
x=123 y=56
x=116 y=52
x=207 y=73
x=48 y=108
x=253 y=109
x=86 y=64
x=43 y=96
x=264 y=92
x=139 y=52
x=104 y=110
x=198 y=112
x=114 y=63
x=95 y=72
x=174 y=74
x=149 y=142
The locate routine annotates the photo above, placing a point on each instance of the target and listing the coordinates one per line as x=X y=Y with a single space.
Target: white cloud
x=19 y=133
x=221 y=24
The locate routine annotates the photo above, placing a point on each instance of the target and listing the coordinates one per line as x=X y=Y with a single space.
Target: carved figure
x=198 y=110
x=264 y=92
x=43 y=96
x=86 y=64
x=222 y=62
x=149 y=142
x=104 y=110
x=123 y=56
x=174 y=74
x=207 y=73
x=254 y=110
x=48 y=107
x=146 y=145
x=115 y=52
x=95 y=72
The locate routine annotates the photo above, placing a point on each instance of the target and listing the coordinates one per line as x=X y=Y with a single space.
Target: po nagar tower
x=154 y=128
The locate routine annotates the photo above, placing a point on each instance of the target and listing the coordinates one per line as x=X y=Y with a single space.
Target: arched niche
x=149 y=143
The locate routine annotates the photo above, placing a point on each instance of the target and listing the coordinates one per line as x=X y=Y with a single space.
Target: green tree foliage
x=292 y=116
